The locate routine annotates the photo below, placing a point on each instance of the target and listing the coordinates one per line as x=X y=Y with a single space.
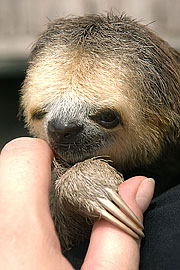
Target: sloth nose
x=62 y=133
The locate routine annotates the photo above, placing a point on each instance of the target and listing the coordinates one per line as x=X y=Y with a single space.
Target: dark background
x=10 y=126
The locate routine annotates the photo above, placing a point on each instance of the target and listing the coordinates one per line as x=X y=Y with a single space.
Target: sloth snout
x=63 y=133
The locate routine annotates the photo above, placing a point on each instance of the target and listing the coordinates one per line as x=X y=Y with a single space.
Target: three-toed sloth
x=102 y=86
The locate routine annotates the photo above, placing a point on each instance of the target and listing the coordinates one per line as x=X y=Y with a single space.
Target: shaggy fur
x=82 y=67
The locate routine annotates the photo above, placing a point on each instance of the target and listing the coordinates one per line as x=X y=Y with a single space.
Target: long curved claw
x=122 y=205
x=118 y=223
x=118 y=213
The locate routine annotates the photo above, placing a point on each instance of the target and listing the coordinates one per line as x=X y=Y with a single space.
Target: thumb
x=137 y=192
x=110 y=247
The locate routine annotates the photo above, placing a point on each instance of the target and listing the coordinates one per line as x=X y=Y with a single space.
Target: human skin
x=28 y=239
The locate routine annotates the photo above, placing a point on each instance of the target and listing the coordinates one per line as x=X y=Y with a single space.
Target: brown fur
x=90 y=63
x=79 y=190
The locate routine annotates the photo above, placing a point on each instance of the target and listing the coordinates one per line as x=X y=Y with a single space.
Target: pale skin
x=27 y=235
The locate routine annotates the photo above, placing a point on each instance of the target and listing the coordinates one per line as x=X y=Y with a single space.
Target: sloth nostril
x=62 y=133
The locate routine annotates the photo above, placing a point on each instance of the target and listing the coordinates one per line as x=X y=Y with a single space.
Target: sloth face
x=83 y=112
x=77 y=130
x=100 y=85
x=83 y=123
x=79 y=137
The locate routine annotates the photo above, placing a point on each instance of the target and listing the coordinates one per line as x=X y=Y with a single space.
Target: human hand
x=112 y=248
x=27 y=235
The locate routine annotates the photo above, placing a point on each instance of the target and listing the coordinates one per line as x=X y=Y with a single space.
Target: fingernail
x=145 y=193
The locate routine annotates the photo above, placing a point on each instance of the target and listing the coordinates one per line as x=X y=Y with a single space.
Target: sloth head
x=102 y=85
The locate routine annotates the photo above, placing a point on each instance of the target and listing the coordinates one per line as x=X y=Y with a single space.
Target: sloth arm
x=89 y=189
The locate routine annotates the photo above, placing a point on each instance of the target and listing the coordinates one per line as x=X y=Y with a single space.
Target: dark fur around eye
x=108 y=118
x=38 y=114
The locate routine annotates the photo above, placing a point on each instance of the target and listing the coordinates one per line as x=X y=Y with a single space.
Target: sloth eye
x=108 y=119
x=38 y=115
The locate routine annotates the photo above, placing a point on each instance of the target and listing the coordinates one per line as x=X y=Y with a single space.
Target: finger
x=28 y=237
x=144 y=195
x=111 y=248
x=25 y=173
x=25 y=169
x=137 y=194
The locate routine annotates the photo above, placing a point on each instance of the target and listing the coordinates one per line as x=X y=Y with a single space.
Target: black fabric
x=160 y=249
x=77 y=254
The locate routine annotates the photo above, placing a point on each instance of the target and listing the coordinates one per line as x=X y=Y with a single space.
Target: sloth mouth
x=65 y=146
x=84 y=147
x=72 y=153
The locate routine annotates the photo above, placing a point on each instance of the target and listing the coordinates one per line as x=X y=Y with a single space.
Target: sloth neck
x=165 y=170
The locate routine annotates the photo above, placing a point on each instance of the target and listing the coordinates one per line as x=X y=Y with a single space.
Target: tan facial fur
x=79 y=77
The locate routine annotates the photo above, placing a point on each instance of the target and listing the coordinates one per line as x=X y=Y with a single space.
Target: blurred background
x=21 y=21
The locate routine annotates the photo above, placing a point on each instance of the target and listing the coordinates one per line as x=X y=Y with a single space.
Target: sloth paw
x=89 y=189
x=118 y=213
